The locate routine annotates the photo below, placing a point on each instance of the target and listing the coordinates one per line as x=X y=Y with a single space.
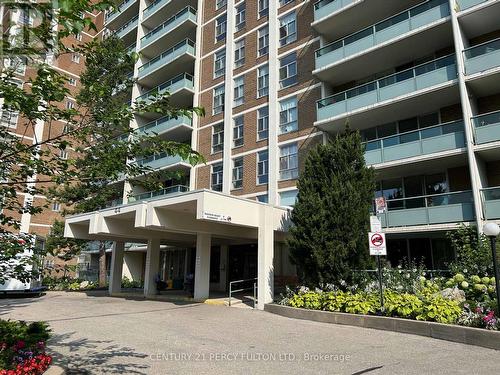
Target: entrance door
x=242 y=262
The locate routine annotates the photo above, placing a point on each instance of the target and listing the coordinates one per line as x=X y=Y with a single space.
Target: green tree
x=328 y=238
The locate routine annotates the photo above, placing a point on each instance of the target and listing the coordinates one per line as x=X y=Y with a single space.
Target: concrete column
x=265 y=255
x=115 y=277
x=202 y=266
x=152 y=267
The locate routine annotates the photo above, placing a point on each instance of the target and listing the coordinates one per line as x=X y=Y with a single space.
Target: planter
x=449 y=332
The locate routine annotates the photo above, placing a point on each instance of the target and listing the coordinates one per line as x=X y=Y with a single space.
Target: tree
x=96 y=132
x=328 y=238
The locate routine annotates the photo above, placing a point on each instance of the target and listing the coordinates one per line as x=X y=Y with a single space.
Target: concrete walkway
x=105 y=335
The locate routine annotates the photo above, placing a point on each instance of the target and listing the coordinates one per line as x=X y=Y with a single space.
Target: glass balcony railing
x=443 y=137
x=487 y=127
x=124 y=5
x=403 y=83
x=114 y=203
x=177 y=189
x=128 y=27
x=453 y=207
x=482 y=57
x=466 y=4
x=163 y=124
x=155 y=5
x=391 y=28
x=491 y=202
x=324 y=8
x=159 y=160
x=186 y=46
x=185 y=14
x=181 y=81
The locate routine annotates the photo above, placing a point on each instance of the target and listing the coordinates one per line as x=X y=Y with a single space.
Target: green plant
x=439 y=309
x=402 y=305
x=307 y=300
x=128 y=284
x=333 y=301
x=361 y=303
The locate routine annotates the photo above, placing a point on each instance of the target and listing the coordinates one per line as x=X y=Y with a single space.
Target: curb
x=55 y=370
x=448 y=332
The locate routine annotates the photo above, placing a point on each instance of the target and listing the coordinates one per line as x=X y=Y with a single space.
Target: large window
x=289 y=163
x=239 y=91
x=239 y=53
x=218 y=138
x=288 y=29
x=288 y=115
x=220 y=28
x=238 y=173
x=219 y=63
x=288 y=198
x=263 y=8
x=263 y=81
x=219 y=95
x=262 y=167
x=216 y=177
x=238 y=131
x=262 y=123
x=240 y=16
x=288 y=70
x=263 y=41
x=8 y=118
x=220 y=3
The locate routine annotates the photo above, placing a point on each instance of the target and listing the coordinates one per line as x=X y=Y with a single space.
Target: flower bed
x=22 y=348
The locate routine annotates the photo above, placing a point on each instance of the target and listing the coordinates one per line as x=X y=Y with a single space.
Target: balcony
x=487 y=127
x=177 y=189
x=399 y=85
x=383 y=32
x=324 y=8
x=466 y=4
x=161 y=160
x=180 y=89
x=174 y=126
x=482 y=57
x=184 y=23
x=444 y=208
x=124 y=11
x=443 y=137
x=178 y=58
x=125 y=31
x=491 y=203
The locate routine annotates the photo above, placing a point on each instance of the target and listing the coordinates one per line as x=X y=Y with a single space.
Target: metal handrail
x=231 y=291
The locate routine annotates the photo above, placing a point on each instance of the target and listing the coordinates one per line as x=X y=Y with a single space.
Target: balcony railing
x=391 y=28
x=185 y=14
x=442 y=137
x=491 y=202
x=487 y=127
x=157 y=4
x=324 y=8
x=177 y=189
x=183 y=80
x=129 y=26
x=443 y=208
x=120 y=8
x=403 y=83
x=163 y=124
x=466 y=4
x=186 y=46
x=159 y=160
x=482 y=57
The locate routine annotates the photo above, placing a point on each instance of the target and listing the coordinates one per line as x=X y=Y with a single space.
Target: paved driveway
x=103 y=335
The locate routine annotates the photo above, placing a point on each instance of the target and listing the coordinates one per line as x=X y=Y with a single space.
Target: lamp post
x=492 y=230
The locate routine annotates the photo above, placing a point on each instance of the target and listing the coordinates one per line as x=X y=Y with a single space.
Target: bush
x=439 y=309
x=402 y=305
x=129 y=284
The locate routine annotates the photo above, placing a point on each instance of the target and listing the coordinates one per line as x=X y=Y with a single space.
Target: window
x=219 y=95
x=288 y=198
x=78 y=37
x=288 y=115
x=240 y=16
x=262 y=167
x=284 y=2
x=70 y=104
x=217 y=138
x=75 y=58
x=262 y=123
x=288 y=70
x=262 y=198
x=9 y=119
x=239 y=91
x=239 y=53
x=56 y=207
x=238 y=131
x=216 y=177
x=263 y=8
x=263 y=81
x=63 y=154
x=263 y=41
x=238 y=173
x=288 y=29
x=289 y=165
x=220 y=28
x=220 y=63
x=220 y=3
x=17 y=64
x=72 y=81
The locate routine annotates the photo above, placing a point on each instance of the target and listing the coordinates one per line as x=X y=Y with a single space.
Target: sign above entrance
x=216 y=217
x=377 y=243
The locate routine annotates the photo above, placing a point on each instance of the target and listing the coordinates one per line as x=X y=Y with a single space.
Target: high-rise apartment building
x=419 y=80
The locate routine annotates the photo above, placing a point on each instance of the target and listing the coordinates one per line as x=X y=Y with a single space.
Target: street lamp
x=492 y=230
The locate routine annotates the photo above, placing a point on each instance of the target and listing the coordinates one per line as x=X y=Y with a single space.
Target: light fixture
x=491 y=229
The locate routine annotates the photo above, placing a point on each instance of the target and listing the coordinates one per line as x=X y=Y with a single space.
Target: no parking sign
x=377 y=243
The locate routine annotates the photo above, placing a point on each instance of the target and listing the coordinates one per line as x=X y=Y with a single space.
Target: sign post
x=378 y=247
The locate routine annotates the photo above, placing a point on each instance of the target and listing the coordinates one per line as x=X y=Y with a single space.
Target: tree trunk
x=102 y=264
